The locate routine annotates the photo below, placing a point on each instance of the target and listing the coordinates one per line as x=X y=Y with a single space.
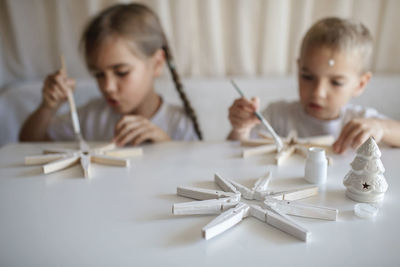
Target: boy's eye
x=337 y=83
x=307 y=77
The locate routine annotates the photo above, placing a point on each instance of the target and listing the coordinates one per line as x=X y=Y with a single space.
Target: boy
x=332 y=68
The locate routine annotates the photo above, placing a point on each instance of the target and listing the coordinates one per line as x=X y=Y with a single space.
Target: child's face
x=125 y=80
x=328 y=80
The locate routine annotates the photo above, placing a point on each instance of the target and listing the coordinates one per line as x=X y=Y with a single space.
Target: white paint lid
x=364 y=210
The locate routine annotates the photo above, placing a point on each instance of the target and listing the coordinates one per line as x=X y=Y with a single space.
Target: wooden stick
x=108 y=160
x=103 y=148
x=266 y=137
x=255 y=142
x=258 y=150
x=284 y=154
x=58 y=151
x=40 y=159
x=125 y=152
x=60 y=164
x=323 y=140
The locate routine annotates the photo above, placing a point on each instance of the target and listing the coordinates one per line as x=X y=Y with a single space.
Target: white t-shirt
x=98 y=120
x=286 y=116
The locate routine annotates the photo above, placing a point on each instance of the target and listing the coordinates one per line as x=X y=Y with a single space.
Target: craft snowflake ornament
x=291 y=144
x=365 y=181
x=273 y=209
x=57 y=159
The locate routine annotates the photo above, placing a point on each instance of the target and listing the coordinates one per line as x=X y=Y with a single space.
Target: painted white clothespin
x=226 y=220
x=210 y=206
x=259 y=190
x=281 y=222
x=203 y=194
x=296 y=194
x=302 y=210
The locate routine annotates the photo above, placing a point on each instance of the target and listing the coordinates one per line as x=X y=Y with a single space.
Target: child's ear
x=364 y=79
x=158 y=62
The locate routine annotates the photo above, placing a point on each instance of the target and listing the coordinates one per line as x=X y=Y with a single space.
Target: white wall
x=210 y=38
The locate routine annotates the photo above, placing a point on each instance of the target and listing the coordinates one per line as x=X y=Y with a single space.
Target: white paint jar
x=316 y=168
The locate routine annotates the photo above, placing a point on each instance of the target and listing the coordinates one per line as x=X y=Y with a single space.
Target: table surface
x=122 y=216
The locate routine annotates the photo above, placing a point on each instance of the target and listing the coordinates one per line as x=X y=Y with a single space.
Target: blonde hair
x=343 y=35
x=139 y=25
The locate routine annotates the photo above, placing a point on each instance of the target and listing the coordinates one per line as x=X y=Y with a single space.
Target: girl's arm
x=55 y=91
x=35 y=127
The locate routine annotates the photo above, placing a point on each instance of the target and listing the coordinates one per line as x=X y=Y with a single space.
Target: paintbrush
x=277 y=139
x=74 y=114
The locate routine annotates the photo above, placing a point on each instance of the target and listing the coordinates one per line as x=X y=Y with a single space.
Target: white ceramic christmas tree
x=365 y=181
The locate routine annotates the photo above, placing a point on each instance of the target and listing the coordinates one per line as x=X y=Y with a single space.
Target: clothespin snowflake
x=56 y=159
x=273 y=209
x=291 y=144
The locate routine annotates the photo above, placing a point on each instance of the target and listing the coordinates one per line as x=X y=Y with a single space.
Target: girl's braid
x=178 y=85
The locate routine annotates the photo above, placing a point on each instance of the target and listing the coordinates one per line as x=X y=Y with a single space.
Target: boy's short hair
x=341 y=35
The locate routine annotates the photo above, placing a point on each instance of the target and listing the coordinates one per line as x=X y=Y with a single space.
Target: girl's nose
x=109 y=86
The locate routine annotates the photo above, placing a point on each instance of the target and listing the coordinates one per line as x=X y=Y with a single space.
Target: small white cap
x=364 y=210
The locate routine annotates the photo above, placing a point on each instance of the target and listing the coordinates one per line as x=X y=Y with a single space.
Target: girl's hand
x=135 y=130
x=55 y=89
x=356 y=132
x=241 y=114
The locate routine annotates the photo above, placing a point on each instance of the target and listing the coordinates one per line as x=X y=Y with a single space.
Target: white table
x=123 y=216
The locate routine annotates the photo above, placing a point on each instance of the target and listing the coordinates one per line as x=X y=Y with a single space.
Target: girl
x=125 y=49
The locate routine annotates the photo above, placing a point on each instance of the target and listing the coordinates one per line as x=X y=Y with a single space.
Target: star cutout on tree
x=365 y=185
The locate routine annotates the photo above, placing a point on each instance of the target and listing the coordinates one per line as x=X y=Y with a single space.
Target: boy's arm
x=242 y=118
x=242 y=134
x=391 y=132
x=358 y=130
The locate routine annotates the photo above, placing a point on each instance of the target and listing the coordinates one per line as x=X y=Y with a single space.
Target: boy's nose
x=320 y=90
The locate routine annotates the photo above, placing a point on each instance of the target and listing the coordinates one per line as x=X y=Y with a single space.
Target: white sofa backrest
x=211 y=99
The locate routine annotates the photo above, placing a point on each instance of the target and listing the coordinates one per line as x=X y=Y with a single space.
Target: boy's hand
x=55 y=89
x=241 y=114
x=135 y=130
x=356 y=132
